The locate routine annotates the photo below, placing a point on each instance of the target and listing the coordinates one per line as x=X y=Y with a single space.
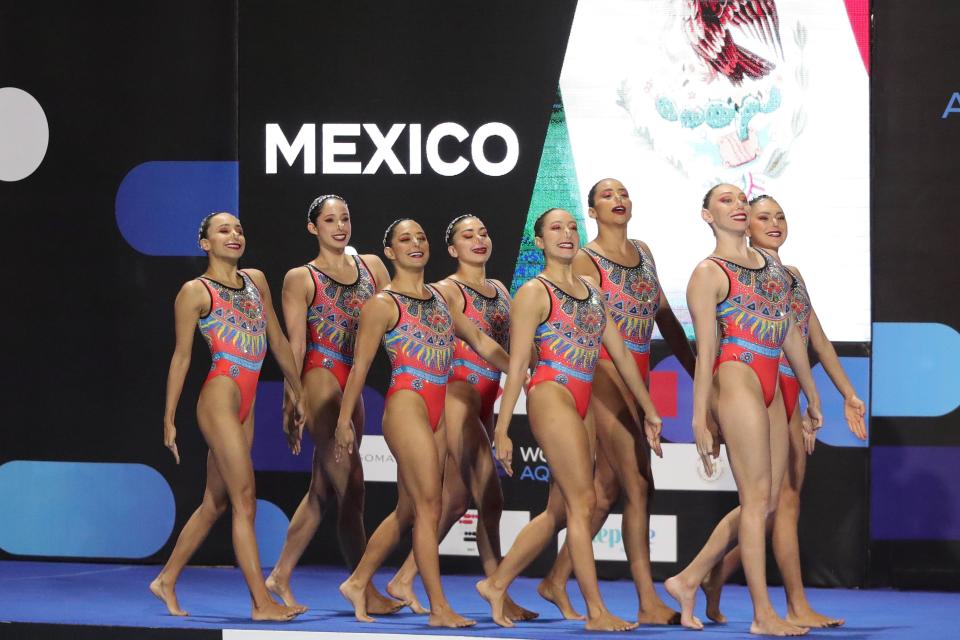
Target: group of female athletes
x=576 y=338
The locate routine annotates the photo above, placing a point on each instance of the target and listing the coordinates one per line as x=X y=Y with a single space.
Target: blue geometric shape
x=160 y=204
x=271 y=529
x=914 y=494
x=678 y=428
x=835 y=431
x=270 y=451
x=915 y=370
x=84 y=509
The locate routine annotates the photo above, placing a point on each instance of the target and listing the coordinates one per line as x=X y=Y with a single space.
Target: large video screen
x=674 y=96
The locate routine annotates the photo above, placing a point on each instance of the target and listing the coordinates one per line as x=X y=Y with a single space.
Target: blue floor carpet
x=117 y=595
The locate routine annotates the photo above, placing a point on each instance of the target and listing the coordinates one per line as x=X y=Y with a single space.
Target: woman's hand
x=170 y=439
x=653 y=427
x=291 y=430
x=811 y=422
x=706 y=448
x=853 y=410
x=345 y=438
x=503 y=447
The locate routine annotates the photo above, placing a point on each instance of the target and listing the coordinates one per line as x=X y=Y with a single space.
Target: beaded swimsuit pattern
x=333 y=318
x=235 y=329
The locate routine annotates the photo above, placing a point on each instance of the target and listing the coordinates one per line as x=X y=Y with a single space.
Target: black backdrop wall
x=184 y=93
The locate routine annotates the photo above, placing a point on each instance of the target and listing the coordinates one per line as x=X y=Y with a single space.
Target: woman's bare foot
x=356 y=596
x=712 y=586
x=774 y=625
x=557 y=596
x=496 y=599
x=447 y=617
x=281 y=588
x=167 y=595
x=807 y=617
x=403 y=591
x=609 y=622
x=686 y=597
x=515 y=612
x=655 y=611
x=379 y=604
x=274 y=611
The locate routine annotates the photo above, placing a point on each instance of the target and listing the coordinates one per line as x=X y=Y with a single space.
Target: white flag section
x=680 y=469
x=462 y=538
x=608 y=543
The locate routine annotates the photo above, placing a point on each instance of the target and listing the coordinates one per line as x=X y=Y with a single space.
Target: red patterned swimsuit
x=236 y=331
x=492 y=316
x=332 y=320
x=420 y=347
x=800 y=305
x=568 y=342
x=754 y=318
x=633 y=298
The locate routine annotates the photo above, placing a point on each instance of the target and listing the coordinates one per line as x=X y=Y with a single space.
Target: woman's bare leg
x=757 y=447
x=412 y=443
x=343 y=479
x=786 y=546
x=216 y=415
x=214 y=504
x=453 y=494
x=566 y=443
x=624 y=455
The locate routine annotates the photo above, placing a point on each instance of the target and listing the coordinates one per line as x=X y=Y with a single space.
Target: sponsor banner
x=461 y=540
x=378 y=463
x=266 y=634
x=681 y=469
x=608 y=543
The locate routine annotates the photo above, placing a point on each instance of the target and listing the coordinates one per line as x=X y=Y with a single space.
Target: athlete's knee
x=582 y=504
x=245 y=504
x=213 y=507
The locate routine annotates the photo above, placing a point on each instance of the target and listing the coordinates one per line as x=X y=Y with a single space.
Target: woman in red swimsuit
x=746 y=294
x=564 y=317
x=321 y=305
x=418 y=331
x=472 y=389
x=768 y=231
x=635 y=300
x=235 y=315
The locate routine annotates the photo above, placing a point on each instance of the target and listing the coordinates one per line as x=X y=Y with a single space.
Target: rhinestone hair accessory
x=448 y=234
x=386 y=234
x=203 y=226
x=317 y=204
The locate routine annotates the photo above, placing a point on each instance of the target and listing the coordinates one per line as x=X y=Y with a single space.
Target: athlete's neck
x=408 y=282
x=224 y=271
x=331 y=259
x=560 y=273
x=612 y=240
x=472 y=274
x=733 y=246
x=773 y=253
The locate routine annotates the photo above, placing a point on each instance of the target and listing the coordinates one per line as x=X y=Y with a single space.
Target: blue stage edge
x=78 y=601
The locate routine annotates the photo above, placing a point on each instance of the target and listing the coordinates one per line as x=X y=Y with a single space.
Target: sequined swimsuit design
x=492 y=316
x=236 y=331
x=632 y=295
x=332 y=320
x=420 y=347
x=800 y=305
x=568 y=342
x=754 y=318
